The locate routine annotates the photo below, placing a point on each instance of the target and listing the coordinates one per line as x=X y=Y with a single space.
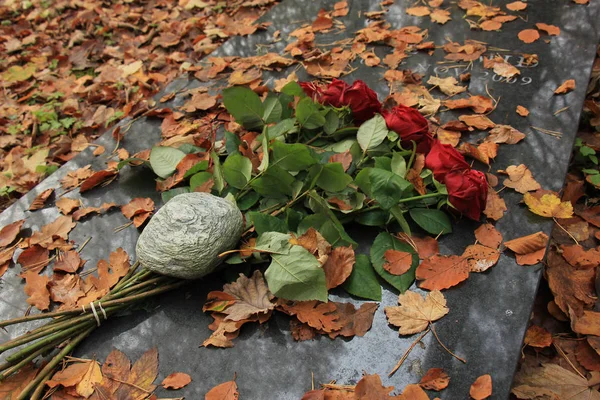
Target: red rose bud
x=359 y=97
x=467 y=191
x=411 y=126
x=312 y=90
x=443 y=158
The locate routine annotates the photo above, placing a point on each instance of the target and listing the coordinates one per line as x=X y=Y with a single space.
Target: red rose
x=410 y=125
x=467 y=191
x=359 y=97
x=443 y=158
x=312 y=90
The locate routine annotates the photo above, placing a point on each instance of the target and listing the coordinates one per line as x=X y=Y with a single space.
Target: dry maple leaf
x=440 y=16
x=522 y=111
x=488 y=236
x=435 y=379
x=41 y=199
x=442 y=272
x=315 y=243
x=69 y=261
x=74 y=178
x=319 y=315
x=566 y=87
x=398 y=262
x=338 y=266
x=449 y=86
x=37 y=290
x=9 y=233
x=420 y=11
x=529 y=35
x=505 y=134
x=552 y=381
x=415 y=313
x=529 y=249
x=480 y=258
x=251 y=297
x=520 y=179
x=536 y=336
x=548 y=205
x=481 y=388
x=60 y=228
x=176 y=380
x=224 y=391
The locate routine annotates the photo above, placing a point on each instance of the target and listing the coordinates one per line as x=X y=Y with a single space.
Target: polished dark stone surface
x=488 y=312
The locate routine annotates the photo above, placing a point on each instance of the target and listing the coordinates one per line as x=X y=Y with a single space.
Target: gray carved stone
x=184 y=238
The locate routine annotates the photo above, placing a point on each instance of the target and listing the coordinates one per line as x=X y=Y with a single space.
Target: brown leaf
x=116 y=365
x=371 y=388
x=551 y=30
x=449 y=86
x=504 y=134
x=522 y=111
x=315 y=243
x=586 y=324
x=573 y=289
x=9 y=233
x=580 y=258
x=97 y=178
x=552 y=381
x=176 y=380
x=485 y=152
x=60 y=228
x=529 y=249
x=40 y=200
x=479 y=104
x=419 y=11
x=250 y=296
x=224 y=391
x=138 y=207
x=140 y=379
x=566 y=87
x=35 y=258
x=480 y=258
x=200 y=101
x=415 y=313
x=71 y=375
x=537 y=336
x=590 y=214
x=398 y=262
x=69 y=261
x=587 y=356
x=67 y=205
x=66 y=289
x=301 y=331
x=440 y=16
x=110 y=272
x=74 y=178
x=494 y=206
x=488 y=236
x=435 y=379
x=413 y=392
x=338 y=266
x=355 y=322
x=36 y=289
x=13 y=385
x=441 y=272
x=344 y=158
x=315 y=313
x=528 y=35
x=480 y=122
x=84 y=212
x=481 y=388
x=520 y=179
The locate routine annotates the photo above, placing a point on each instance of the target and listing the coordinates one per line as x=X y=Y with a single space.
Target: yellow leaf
x=549 y=205
x=92 y=377
x=415 y=313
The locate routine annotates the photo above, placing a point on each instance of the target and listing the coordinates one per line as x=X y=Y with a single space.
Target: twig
x=407 y=352
x=444 y=346
x=566 y=231
x=556 y=134
x=562 y=353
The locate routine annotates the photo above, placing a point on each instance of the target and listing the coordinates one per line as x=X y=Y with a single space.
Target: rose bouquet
x=305 y=162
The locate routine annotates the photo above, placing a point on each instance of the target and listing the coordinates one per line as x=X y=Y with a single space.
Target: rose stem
x=44 y=374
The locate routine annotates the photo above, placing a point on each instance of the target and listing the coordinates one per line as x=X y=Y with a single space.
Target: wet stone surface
x=488 y=312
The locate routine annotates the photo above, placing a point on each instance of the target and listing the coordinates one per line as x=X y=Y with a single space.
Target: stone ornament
x=185 y=237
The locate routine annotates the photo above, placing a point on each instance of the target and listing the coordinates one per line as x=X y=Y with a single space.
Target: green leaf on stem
x=372 y=133
x=373 y=218
x=232 y=143
x=383 y=242
x=296 y=276
x=248 y=200
x=309 y=115
x=266 y=223
x=273 y=109
x=274 y=182
x=237 y=170
x=363 y=282
x=164 y=160
x=201 y=166
x=217 y=172
x=383 y=186
x=332 y=122
x=431 y=220
x=199 y=178
x=325 y=221
x=274 y=242
x=282 y=127
x=331 y=177
x=292 y=157
x=245 y=106
x=293 y=89
x=398 y=164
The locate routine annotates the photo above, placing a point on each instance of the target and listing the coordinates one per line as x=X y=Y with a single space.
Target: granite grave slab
x=488 y=313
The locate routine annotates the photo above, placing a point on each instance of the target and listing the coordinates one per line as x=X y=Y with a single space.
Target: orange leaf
x=490 y=25
x=40 y=200
x=529 y=35
x=494 y=206
x=522 y=111
x=580 y=258
x=136 y=207
x=573 y=289
x=529 y=249
x=480 y=122
x=317 y=314
x=488 y=236
x=66 y=289
x=354 y=321
x=536 y=336
x=413 y=392
x=96 y=179
x=84 y=212
x=371 y=388
x=566 y=87
x=505 y=134
x=9 y=233
x=70 y=376
x=516 y=6
x=36 y=289
x=224 y=391
x=435 y=379
x=338 y=266
x=60 y=228
x=551 y=30
x=480 y=258
x=484 y=152
x=67 y=205
x=481 y=388
x=586 y=324
x=441 y=272
x=13 y=385
x=176 y=380
x=479 y=104
x=398 y=262
x=520 y=179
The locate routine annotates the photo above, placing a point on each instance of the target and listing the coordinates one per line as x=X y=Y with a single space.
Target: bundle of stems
x=56 y=339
